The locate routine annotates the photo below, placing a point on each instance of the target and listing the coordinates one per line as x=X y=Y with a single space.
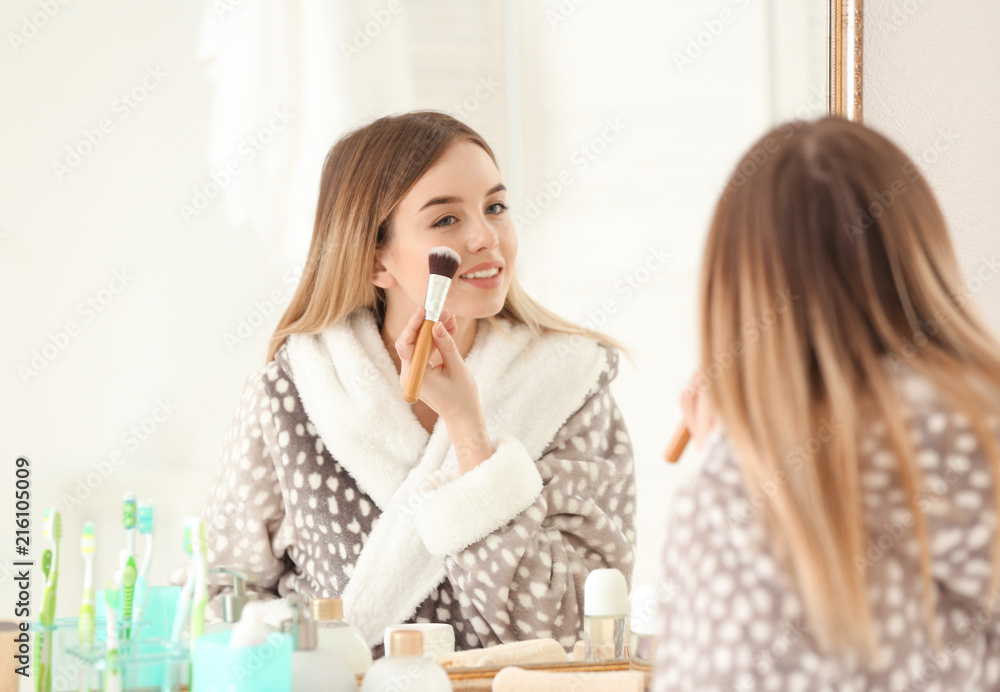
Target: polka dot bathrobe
x=329 y=486
x=733 y=619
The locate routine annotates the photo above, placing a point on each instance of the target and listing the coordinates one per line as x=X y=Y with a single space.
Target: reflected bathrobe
x=329 y=486
x=733 y=619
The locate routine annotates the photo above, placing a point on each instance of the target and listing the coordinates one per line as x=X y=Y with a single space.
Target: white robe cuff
x=466 y=510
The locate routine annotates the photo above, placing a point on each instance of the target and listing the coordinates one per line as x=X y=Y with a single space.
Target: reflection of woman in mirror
x=485 y=504
x=842 y=532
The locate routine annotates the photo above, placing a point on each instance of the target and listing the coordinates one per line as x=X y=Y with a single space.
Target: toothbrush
x=200 y=599
x=184 y=600
x=52 y=530
x=112 y=670
x=41 y=639
x=145 y=525
x=183 y=611
x=88 y=546
x=128 y=522
x=128 y=587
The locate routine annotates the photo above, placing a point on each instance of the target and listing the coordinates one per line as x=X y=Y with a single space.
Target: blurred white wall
x=130 y=325
x=945 y=118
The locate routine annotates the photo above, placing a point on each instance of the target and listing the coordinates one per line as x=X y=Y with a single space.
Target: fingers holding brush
x=698 y=412
x=407 y=342
x=450 y=387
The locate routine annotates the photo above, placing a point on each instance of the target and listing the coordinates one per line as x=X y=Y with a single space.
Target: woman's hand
x=448 y=388
x=698 y=412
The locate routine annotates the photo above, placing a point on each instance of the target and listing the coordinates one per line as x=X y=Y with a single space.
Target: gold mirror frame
x=845 y=75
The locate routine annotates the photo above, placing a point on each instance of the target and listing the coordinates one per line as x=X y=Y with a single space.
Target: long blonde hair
x=365 y=176
x=828 y=264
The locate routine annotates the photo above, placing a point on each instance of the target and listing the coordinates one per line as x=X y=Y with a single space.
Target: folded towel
x=515 y=653
x=579 y=652
x=520 y=680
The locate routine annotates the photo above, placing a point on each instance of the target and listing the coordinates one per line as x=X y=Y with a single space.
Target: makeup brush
x=678 y=443
x=443 y=262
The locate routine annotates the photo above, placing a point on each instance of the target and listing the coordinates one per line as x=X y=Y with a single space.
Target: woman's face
x=458 y=203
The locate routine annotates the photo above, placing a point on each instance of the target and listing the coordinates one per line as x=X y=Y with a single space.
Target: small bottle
x=333 y=634
x=406 y=668
x=605 y=615
x=644 y=625
x=314 y=670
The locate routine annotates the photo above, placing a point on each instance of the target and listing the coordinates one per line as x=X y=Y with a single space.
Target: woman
x=842 y=531
x=485 y=504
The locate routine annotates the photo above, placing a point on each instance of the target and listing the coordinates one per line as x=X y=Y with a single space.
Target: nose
x=482 y=237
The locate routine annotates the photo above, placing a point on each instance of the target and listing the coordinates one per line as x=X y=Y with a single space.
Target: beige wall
x=932 y=83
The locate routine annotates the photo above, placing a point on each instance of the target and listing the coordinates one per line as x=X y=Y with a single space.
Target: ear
x=381 y=276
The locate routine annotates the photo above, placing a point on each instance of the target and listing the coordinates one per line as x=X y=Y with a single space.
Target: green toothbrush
x=200 y=585
x=200 y=549
x=52 y=530
x=88 y=547
x=128 y=588
x=41 y=638
x=112 y=669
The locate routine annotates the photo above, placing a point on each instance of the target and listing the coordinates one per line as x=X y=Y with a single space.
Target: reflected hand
x=698 y=412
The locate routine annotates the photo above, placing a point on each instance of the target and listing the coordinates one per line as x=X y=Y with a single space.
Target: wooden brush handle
x=677 y=444
x=418 y=363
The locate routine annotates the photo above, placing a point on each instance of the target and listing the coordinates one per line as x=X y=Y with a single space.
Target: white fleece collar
x=350 y=391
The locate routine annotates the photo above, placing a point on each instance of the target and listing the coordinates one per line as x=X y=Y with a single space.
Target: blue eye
x=446 y=221
x=499 y=207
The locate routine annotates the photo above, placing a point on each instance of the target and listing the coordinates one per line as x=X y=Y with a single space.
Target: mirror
x=164 y=166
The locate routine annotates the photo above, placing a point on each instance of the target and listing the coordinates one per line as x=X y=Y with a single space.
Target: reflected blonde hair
x=365 y=176
x=828 y=266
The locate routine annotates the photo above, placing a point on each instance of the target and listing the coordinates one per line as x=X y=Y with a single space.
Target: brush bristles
x=88 y=541
x=444 y=261
x=145 y=521
x=128 y=511
x=56 y=525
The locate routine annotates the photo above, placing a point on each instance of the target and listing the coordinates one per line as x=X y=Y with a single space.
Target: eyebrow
x=451 y=200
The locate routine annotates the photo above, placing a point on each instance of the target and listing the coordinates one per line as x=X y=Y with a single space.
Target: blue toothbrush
x=145 y=526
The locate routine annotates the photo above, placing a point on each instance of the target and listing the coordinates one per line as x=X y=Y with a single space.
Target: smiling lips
x=486 y=275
